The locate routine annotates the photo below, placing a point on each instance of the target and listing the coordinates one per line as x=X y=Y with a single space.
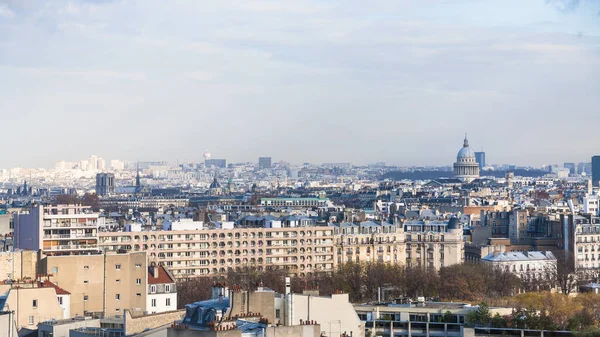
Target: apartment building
x=434 y=244
x=369 y=242
x=34 y=302
x=533 y=264
x=189 y=253
x=586 y=242
x=57 y=230
x=100 y=283
x=162 y=291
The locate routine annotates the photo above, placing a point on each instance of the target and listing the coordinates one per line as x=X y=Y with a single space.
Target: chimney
x=288 y=287
x=155 y=271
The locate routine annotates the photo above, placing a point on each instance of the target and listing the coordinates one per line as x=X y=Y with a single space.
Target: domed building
x=466 y=167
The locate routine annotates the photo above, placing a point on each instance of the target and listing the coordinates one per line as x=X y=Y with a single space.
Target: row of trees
x=543 y=311
x=361 y=281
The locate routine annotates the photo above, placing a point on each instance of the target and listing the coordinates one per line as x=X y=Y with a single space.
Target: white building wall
x=319 y=308
x=65 y=305
x=161 y=302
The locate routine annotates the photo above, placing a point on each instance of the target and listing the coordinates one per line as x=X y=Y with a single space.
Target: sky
x=300 y=80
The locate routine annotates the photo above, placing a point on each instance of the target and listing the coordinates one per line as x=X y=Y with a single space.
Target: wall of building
x=21 y=301
x=244 y=302
x=8 y=328
x=18 y=265
x=97 y=277
x=161 y=303
x=137 y=324
x=319 y=308
x=27 y=230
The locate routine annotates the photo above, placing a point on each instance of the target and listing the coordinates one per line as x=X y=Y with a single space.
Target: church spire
x=466 y=143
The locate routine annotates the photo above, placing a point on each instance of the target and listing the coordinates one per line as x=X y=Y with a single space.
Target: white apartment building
x=162 y=291
x=534 y=264
x=62 y=229
x=591 y=204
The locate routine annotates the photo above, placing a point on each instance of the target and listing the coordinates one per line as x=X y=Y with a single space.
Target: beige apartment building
x=189 y=253
x=108 y=283
x=433 y=244
x=369 y=242
x=32 y=303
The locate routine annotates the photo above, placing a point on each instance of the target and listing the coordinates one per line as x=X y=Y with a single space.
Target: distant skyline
x=301 y=81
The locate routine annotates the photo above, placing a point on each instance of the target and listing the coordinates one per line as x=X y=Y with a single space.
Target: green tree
x=480 y=317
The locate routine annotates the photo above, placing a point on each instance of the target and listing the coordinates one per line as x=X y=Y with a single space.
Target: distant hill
x=430 y=175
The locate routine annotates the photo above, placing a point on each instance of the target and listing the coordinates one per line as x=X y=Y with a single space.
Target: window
x=138 y=265
x=278 y=313
x=86 y=267
x=118 y=281
x=138 y=281
x=117 y=266
x=167 y=288
x=60 y=300
x=117 y=309
x=168 y=302
x=85 y=282
x=153 y=289
x=30 y=320
x=35 y=303
x=138 y=294
x=154 y=302
x=117 y=297
x=54 y=270
x=85 y=297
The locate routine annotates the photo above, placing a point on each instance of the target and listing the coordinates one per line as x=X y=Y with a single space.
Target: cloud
x=6 y=12
x=43 y=71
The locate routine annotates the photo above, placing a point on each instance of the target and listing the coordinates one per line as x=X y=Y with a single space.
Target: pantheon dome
x=466 y=167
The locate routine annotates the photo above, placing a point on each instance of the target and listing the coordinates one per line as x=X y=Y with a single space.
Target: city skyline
x=306 y=81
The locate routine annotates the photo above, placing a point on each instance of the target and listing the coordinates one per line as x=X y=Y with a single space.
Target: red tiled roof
x=163 y=276
x=48 y=284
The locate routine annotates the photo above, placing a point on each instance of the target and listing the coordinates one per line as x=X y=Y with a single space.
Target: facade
x=105 y=184
x=189 y=253
x=264 y=163
x=466 y=167
x=144 y=202
x=480 y=158
x=432 y=244
x=532 y=264
x=586 y=243
x=369 y=242
x=57 y=230
x=100 y=283
x=162 y=290
x=591 y=205
x=596 y=170
x=294 y=202
x=518 y=221
x=33 y=303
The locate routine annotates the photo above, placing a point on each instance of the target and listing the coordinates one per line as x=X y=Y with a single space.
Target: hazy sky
x=320 y=81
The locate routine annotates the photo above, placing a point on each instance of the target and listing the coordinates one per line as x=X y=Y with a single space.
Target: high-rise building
x=219 y=163
x=57 y=230
x=572 y=167
x=264 y=163
x=92 y=163
x=117 y=165
x=480 y=158
x=596 y=170
x=105 y=184
x=101 y=164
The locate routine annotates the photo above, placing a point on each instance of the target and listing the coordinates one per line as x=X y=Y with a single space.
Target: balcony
x=70 y=247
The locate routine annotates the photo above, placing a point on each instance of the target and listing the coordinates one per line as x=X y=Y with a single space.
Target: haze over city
x=302 y=81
